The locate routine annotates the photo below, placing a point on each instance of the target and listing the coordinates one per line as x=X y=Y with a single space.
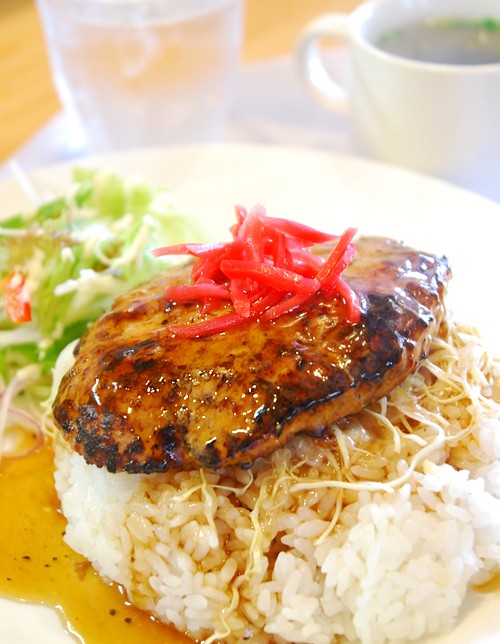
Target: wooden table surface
x=27 y=96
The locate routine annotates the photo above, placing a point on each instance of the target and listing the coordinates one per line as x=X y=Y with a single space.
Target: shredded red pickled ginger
x=267 y=270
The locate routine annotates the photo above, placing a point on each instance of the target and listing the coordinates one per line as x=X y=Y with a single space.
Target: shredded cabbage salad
x=61 y=265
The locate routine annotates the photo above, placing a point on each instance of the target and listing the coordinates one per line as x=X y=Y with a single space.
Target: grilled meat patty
x=139 y=399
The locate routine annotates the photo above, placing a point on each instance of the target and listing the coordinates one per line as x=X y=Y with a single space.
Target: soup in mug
x=446 y=41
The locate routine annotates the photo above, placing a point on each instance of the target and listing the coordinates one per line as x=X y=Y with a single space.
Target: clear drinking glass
x=144 y=72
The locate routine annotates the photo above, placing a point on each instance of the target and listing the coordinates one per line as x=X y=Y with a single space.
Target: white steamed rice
x=375 y=536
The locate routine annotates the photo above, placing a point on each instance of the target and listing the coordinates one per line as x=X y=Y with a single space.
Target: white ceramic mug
x=442 y=119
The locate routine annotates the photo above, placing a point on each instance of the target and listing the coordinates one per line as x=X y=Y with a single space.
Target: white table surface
x=271 y=107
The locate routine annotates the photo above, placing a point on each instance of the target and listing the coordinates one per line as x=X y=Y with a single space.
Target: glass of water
x=136 y=73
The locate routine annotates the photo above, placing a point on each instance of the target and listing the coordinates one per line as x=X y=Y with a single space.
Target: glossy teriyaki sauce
x=37 y=566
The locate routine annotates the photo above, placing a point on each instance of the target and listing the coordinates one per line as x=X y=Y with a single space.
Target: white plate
x=331 y=192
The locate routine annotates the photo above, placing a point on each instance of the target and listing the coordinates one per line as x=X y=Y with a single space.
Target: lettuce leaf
x=77 y=252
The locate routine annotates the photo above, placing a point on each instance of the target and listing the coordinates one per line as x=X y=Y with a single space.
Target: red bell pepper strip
x=15 y=297
x=202 y=290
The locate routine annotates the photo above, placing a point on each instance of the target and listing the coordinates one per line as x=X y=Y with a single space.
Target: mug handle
x=318 y=81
